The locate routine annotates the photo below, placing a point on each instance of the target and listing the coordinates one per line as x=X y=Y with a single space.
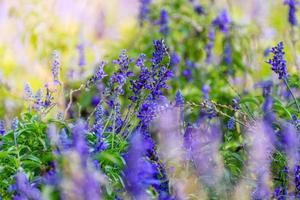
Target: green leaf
x=32 y=158
x=111 y=158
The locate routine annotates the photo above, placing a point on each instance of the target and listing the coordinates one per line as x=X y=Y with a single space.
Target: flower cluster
x=227 y=55
x=119 y=78
x=157 y=81
x=142 y=82
x=24 y=188
x=2 y=127
x=98 y=75
x=163 y=22
x=297 y=180
x=144 y=10
x=179 y=99
x=222 y=21
x=210 y=44
x=81 y=60
x=292 y=11
x=278 y=61
x=188 y=71
x=55 y=67
x=280 y=193
x=39 y=100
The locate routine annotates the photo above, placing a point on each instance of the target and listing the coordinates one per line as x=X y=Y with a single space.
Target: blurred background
x=32 y=29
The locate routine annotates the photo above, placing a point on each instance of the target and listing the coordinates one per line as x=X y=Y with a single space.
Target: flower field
x=149 y=99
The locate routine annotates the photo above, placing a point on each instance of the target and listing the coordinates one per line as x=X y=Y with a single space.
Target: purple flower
x=175 y=59
x=268 y=106
x=222 y=21
x=123 y=61
x=2 y=127
x=147 y=112
x=227 y=54
x=38 y=100
x=163 y=22
x=55 y=66
x=297 y=179
x=267 y=52
x=51 y=177
x=210 y=44
x=187 y=73
x=48 y=99
x=231 y=123
x=295 y=121
x=142 y=170
x=98 y=75
x=292 y=11
x=98 y=129
x=24 y=188
x=160 y=51
x=99 y=113
x=142 y=82
x=199 y=9
x=159 y=74
x=119 y=78
x=235 y=103
x=140 y=62
x=261 y=191
x=15 y=123
x=28 y=92
x=139 y=171
x=278 y=61
x=204 y=144
x=266 y=87
x=99 y=120
x=160 y=81
x=190 y=64
x=280 y=193
x=81 y=62
x=179 y=99
x=206 y=90
x=79 y=178
x=291 y=144
x=268 y=103
x=260 y=151
x=144 y=10
x=64 y=141
x=100 y=145
x=95 y=100
x=187 y=136
x=118 y=117
x=79 y=144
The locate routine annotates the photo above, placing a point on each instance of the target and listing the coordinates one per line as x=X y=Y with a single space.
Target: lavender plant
x=174 y=118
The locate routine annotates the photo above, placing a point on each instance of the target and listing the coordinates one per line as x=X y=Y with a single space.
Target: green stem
x=114 y=131
x=107 y=121
x=288 y=87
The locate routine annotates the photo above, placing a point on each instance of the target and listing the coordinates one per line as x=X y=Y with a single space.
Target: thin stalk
x=71 y=100
x=113 y=133
x=17 y=148
x=226 y=115
x=107 y=121
x=246 y=106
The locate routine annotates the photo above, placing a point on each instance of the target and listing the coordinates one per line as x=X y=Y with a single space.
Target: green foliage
x=25 y=149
